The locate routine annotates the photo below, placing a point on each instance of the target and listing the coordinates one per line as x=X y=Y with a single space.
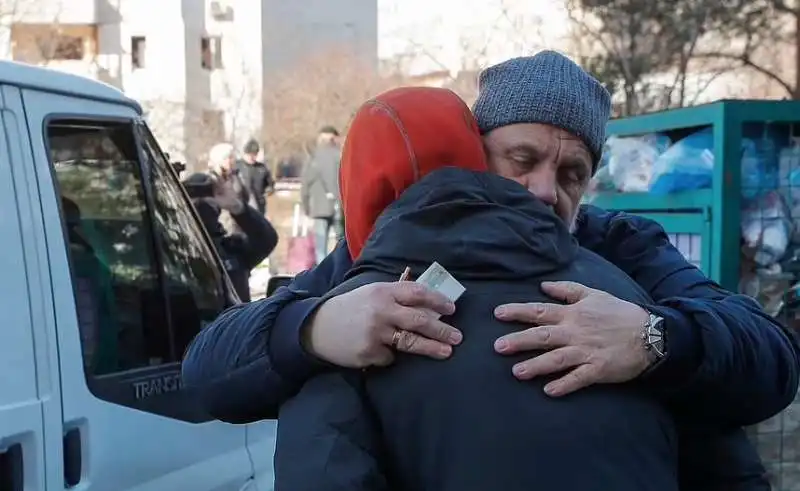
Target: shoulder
x=596 y=228
x=594 y=220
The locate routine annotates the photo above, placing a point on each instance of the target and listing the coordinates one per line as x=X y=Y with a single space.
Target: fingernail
x=519 y=370
x=445 y=351
x=501 y=345
x=500 y=312
x=451 y=308
x=551 y=389
x=456 y=337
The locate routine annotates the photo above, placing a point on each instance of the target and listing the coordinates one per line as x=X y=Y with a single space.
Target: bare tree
x=646 y=50
x=323 y=89
x=755 y=37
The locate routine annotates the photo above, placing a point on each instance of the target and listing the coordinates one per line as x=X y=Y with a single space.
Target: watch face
x=655 y=335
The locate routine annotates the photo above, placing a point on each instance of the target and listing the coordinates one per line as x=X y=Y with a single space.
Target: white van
x=105 y=277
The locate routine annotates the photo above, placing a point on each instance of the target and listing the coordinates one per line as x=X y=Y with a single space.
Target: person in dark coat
x=727 y=365
x=319 y=194
x=472 y=223
x=256 y=176
x=243 y=250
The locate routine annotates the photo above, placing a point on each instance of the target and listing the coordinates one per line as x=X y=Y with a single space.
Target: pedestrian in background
x=222 y=168
x=241 y=251
x=256 y=175
x=320 y=189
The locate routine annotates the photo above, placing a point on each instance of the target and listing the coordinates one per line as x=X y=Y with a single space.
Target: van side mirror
x=278 y=281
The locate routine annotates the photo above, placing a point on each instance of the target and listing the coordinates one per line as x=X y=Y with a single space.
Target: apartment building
x=199 y=67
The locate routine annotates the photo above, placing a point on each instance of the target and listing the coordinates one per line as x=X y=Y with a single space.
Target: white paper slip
x=439 y=279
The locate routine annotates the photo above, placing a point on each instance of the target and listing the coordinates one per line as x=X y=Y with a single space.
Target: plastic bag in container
x=601 y=181
x=686 y=165
x=759 y=173
x=766 y=228
x=788 y=162
x=789 y=179
x=630 y=160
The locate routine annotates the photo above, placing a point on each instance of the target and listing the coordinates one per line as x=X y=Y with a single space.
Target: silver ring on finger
x=396 y=337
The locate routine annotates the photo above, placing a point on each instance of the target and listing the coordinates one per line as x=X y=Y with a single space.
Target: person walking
x=256 y=176
x=319 y=193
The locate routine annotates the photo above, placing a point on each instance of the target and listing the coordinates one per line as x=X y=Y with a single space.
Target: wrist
x=309 y=332
x=289 y=356
x=237 y=207
x=652 y=339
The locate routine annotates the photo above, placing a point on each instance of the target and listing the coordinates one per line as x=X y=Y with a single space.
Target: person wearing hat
x=724 y=364
x=256 y=175
x=319 y=192
x=499 y=241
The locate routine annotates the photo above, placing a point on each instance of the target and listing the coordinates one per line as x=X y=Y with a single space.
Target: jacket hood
x=476 y=224
x=395 y=140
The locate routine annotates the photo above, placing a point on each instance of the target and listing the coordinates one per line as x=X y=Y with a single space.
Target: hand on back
x=357 y=329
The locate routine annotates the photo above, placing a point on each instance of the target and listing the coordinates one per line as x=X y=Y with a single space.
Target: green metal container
x=705 y=224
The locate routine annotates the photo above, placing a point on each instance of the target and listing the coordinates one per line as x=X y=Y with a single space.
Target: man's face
x=250 y=158
x=553 y=164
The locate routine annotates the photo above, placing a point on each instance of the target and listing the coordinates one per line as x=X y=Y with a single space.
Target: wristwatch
x=654 y=338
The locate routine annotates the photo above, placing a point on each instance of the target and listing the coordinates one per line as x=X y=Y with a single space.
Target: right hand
x=226 y=197
x=355 y=329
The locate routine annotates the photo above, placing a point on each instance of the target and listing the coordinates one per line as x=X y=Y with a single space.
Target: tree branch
x=746 y=62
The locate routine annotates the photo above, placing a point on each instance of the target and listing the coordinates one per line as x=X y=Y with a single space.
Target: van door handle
x=11 y=468
x=73 y=459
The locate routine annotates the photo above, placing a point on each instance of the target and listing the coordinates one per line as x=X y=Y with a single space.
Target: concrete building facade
x=199 y=67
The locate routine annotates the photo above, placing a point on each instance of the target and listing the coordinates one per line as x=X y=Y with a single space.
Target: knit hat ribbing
x=546 y=88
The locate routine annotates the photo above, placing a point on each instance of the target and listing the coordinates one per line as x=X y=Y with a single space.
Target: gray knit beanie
x=546 y=88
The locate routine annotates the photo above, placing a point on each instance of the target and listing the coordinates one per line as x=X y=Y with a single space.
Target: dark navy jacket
x=733 y=365
x=467 y=423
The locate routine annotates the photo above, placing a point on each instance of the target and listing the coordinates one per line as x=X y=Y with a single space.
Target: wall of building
x=154 y=51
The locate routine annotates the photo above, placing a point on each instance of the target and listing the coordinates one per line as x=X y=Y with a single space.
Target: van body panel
x=115 y=446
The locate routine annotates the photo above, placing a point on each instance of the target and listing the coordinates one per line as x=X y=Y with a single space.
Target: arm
x=328 y=438
x=250 y=360
x=728 y=363
x=258 y=240
x=269 y=182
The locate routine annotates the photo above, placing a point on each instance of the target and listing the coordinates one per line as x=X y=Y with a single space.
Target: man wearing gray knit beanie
x=543 y=119
x=714 y=358
x=544 y=123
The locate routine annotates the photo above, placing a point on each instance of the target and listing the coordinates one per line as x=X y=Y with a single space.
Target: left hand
x=596 y=336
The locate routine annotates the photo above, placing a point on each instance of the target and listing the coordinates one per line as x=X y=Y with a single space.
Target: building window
x=138 y=49
x=68 y=47
x=211 y=52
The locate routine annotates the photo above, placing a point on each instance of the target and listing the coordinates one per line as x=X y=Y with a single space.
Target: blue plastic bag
x=759 y=167
x=686 y=165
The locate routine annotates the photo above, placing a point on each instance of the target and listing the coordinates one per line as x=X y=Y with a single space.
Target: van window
x=194 y=283
x=121 y=314
x=145 y=280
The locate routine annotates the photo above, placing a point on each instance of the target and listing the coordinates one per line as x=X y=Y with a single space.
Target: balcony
x=57 y=11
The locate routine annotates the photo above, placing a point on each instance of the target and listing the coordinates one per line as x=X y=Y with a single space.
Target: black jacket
x=240 y=252
x=258 y=180
x=250 y=360
x=467 y=423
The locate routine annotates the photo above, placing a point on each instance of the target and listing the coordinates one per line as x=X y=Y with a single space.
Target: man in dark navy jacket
x=727 y=364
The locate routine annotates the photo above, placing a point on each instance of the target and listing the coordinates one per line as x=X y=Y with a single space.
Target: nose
x=542 y=184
